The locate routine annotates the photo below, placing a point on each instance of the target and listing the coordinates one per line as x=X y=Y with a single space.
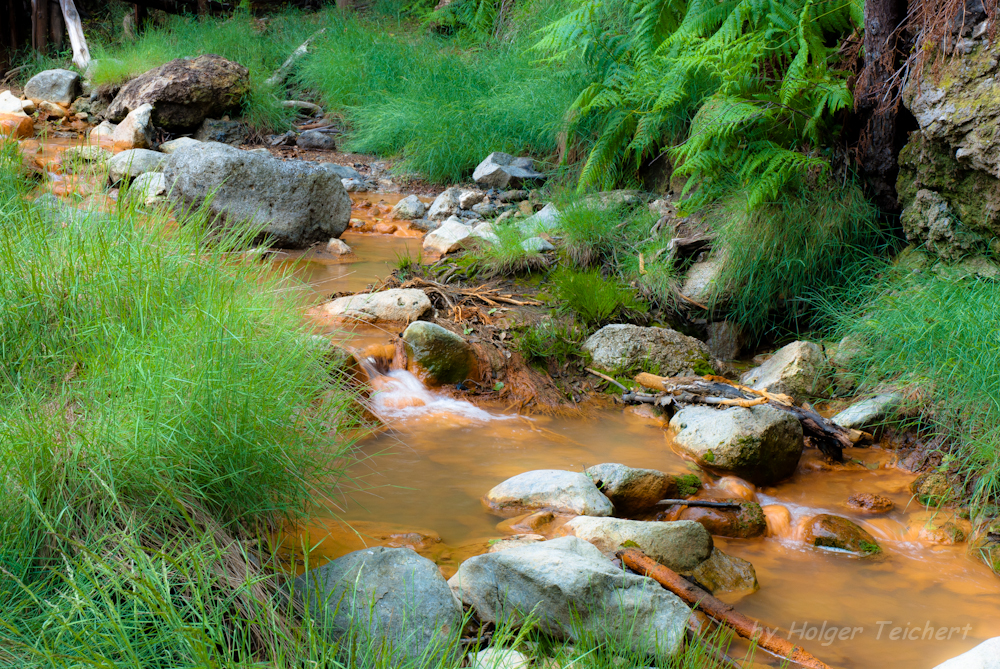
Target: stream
x=419 y=482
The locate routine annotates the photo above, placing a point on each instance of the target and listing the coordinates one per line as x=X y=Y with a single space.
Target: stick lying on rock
x=747 y=628
x=698 y=502
x=829 y=437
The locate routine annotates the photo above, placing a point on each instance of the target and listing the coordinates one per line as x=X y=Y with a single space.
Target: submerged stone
x=444 y=355
x=741 y=522
x=827 y=531
x=724 y=573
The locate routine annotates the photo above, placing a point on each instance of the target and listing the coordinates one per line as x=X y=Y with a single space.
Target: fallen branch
x=81 y=54
x=698 y=502
x=746 y=627
x=607 y=378
x=282 y=72
x=313 y=109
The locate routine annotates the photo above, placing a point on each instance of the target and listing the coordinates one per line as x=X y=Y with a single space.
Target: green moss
x=870 y=548
x=687 y=484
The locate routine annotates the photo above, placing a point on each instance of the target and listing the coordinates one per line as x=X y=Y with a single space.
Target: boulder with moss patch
x=743 y=521
x=442 y=354
x=622 y=348
x=828 y=531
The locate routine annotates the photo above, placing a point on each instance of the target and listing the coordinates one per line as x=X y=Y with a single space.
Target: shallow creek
x=419 y=483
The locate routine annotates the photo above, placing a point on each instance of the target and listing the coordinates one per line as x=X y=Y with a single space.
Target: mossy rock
x=745 y=521
x=828 y=531
x=931 y=489
x=985 y=544
x=442 y=354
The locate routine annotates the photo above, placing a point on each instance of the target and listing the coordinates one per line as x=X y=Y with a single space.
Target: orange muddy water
x=419 y=484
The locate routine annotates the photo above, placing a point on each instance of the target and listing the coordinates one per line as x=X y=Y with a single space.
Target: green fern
x=744 y=89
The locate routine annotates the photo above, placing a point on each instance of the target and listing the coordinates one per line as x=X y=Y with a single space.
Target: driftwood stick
x=81 y=54
x=607 y=378
x=718 y=610
x=302 y=105
x=282 y=72
x=698 y=502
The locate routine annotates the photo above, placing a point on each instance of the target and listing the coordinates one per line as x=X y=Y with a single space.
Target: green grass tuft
x=594 y=298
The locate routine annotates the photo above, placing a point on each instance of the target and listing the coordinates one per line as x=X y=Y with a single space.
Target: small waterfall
x=400 y=396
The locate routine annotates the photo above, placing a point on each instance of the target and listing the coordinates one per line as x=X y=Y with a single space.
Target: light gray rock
x=724 y=573
x=342 y=171
x=59 y=86
x=354 y=185
x=629 y=489
x=150 y=187
x=87 y=154
x=499 y=658
x=572 y=589
x=10 y=103
x=105 y=131
x=395 y=599
x=869 y=412
x=536 y=245
x=449 y=237
x=485 y=232
x=515 y=541
x=396 y=305
x=442 y=354
x=622 y=347
x=337 y=247
x=445 y=205
x=984 y=656
x=179 y=144
x=501 y=170
x=467 y=199
x=550 y=489
x=702 y=280
x=135 y=131
x=545 y=220
x=760 y=444
x=798 y=369
x=293 y=204
x=127 y=165
x=680 y=545
x=485 y=209
x=409 y=208
x=930 y=223
x=316 y=140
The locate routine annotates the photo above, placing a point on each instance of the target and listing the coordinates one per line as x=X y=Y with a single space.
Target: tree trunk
x=877 y=97
x=57 y=29
x=81 y=54
x=40 y=25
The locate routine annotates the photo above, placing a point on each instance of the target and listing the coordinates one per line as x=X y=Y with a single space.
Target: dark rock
x=316 y=140
x=442 y=354
x=931 y=488
x=232 y=133
x=870 y=502
x=826 y=531
x=629 y=489
x=184 y=92
x=723 y=573
x=743 y=522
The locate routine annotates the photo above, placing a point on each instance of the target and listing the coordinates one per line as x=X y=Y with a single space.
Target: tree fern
x=733 y=88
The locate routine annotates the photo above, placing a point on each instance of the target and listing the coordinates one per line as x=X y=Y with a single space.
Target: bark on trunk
x=877 y=98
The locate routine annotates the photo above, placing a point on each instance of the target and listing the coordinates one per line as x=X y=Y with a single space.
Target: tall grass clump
x=774 y=256
x=440 y=103
x=935 y=336
x=162 y=411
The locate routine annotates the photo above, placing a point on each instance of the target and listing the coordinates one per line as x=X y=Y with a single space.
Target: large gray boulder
x=680 y=545
x=184 y=92
x=572 y=590
x=550 y=489
x=445 y=205
x=442 y=354
x=629 y=489
x=59 y=86
x=760 y=444
x=396 y=305
x=625 y=348
x=984 y=656
x=501 y=170
x=397 y=602
x=798 y=369
x=291 y=204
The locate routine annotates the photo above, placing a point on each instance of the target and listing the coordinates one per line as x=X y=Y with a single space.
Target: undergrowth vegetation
x=162 y=412
x=934 y=335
